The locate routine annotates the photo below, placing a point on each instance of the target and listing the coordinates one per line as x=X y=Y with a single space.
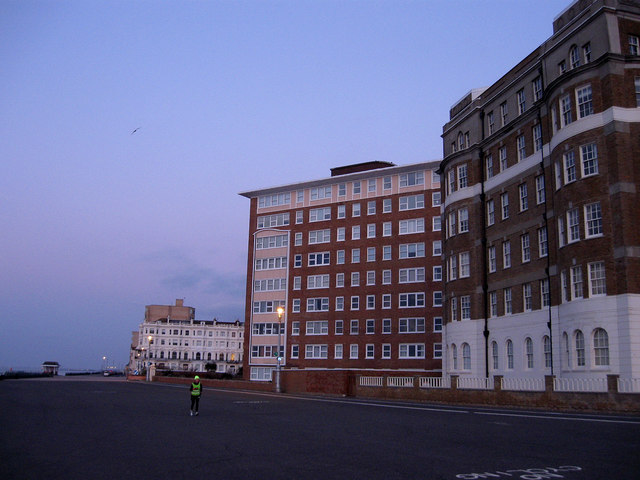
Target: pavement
x=108 y=428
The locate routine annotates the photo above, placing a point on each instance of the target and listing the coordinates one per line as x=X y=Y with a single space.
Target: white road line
x=549 y=417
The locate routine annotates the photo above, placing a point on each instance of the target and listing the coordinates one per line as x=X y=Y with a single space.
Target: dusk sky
x=227 y=96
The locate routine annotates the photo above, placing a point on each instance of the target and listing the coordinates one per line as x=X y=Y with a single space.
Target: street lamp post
x=280 y=311
x=150 y=338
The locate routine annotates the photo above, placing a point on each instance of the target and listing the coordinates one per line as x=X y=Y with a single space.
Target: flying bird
x=136 y=130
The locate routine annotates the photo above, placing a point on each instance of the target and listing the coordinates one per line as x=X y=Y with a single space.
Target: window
x=340 y=257
x=386 y=301
x=386 y=252
x=412 y=275
x=436 y=223
x=637 y=88
x=466 y=356
x=576 y=282
x=561 y=232
x=589 y=159
x=462 y=176
x=454 y=309
x=319 y=214
x=525 y=244
x=586 y=52
x=411 y=179
x=386 y=350
x=278 y=220
x=355 y=255
x=437 y=273
x=502 y=156
x=543 y=243
x=454 y=355
x=565 y=111
x=271 y=263
x=355 y=302
x=494 y=354
x=573 y=225
x=371 y=207
x=271 y=284
x=491 y=122
x=504 y=199
x=386 y=183
x=491 y=253
x=411 y=300
x=451 y=181
x=318 y=193
x=562 y=67
x=319 y=236
x=537 y=88
x=526 y=297
x=318 y=281
x=536 y=132
x=437 y=324
x=355 y=210
x=522 y=105
x=371 y=230
x=320 y=304
x=546 y=346
x=540 y=193
x=371 y=277
x=579 y=340
x=504 y=114
x=584 y=101
x=353 y=351
x=463 y=220
x=412 y=250
x=371 y=327
x=436 y=248
x=506 y=254
x=528 y=347
x=488 y=162
x=355 y=279
x=371 y=302
x=320 y=327
x=597 y=280
x=267 y=306
x=493 y=304
x=411 y=325
x=340 y=234
x=414 y=225
x=354 y=327
x=411 y=202
x=342 y=211
x=386 y=205
x=491 y=218
x=370 y=352
x=465 y=307
x=274 y=200
x=574 y=57
x=545 y=299
x=509 y=354
x=593 y=220
x=437 y=298
x=338 y=351
x=355 y=232
x=386 y=325
x=356 y=188
x=569 y=162
x=601 y=347
x=436 y=199
x=386 y=277
x=461 y=144
x=339 y=327
x=437 y=350
x=316 y=351
x=300 y=196
x=522 y=150
x=274 y=241
x=464 y=264
x=524 y=199
x=298 y=239
x=386 y=229
x=453 y=268
x=634 y=45
x=339 y=304
x=316 y=259
x=342 y=189
x=371 y=185
x=411 y=350
x=295 y=307
x=508 y=301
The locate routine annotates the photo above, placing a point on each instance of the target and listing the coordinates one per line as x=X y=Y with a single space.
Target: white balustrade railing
x=435 y=382
x=402 y=382
x=629 y=385
x=475 y=383
x=371 y=381
x=580 y=384
x=523 y=384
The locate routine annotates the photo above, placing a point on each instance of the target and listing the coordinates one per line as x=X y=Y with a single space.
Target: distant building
x=355 y=261
x=50 y=367
x=541 y=176
x=171 y=338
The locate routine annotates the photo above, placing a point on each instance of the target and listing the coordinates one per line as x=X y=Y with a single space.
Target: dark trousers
x=195 y=402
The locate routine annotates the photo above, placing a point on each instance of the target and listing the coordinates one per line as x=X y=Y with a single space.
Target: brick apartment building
x=541 y=174
x=355 y=261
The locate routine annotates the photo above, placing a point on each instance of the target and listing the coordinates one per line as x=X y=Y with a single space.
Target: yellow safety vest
x=195 y=389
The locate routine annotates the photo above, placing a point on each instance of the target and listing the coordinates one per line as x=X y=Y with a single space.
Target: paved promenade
x=107 y=428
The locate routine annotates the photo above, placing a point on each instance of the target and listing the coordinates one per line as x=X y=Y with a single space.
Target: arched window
x=209 y=356
x=162 y=354
x=454 y=353
x=198 y=356
x=528 y=348
x=546 y=345
x=601 y=347
x=466 y=356
x=186 y=355
x=494 y=352
x=574 y=57
x=174 y=355
x=509 y=354
x=579 y=336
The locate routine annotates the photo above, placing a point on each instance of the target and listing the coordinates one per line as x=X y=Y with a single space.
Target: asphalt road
x=111 y=429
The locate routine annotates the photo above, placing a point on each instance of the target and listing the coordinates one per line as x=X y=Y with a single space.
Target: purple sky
x=229 y=96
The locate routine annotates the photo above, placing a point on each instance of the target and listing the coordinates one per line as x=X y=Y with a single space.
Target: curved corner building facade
x=541 y=235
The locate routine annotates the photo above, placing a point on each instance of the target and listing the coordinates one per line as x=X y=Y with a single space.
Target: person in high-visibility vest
x=196 y=392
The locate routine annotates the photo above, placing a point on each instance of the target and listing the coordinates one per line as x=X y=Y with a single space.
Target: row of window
x=408 y=179
x=322 y=304
x=527 y=298
x=187 y=332
x=572 y=282
x=404 y=325
x=196 y=355
x=321 y=351
x=571 y=228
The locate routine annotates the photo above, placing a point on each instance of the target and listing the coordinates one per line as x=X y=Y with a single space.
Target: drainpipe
x=483 y=236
